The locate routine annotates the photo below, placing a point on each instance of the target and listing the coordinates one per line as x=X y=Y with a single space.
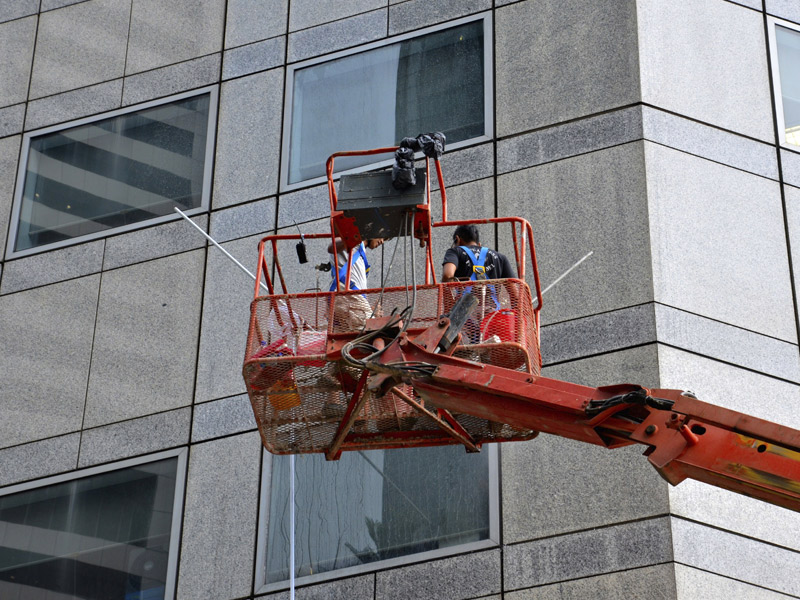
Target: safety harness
x=359 y=252
x=479 y=271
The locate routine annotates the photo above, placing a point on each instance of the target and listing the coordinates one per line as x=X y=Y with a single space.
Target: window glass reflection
x=115 y=172
x=433 y=82
x=96 y=538
x=376 y=505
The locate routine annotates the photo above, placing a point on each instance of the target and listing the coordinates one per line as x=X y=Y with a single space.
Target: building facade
x=658 y=135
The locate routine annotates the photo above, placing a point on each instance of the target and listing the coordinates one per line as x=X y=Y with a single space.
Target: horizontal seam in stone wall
x=732 y=532
x=590 y=529
x=366 y=12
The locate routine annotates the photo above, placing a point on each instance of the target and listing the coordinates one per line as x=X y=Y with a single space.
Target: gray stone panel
x=222 y=417
x=252 y=58
x=309 y=13
x=17 y=40
x=592 y=202
x=570 y=139
x=792 y=205
x=165 y=33
x=785 y=9
x=597 y=334
x=53 y=4
x=352 y=588
x=737 y=513
x=249 y=21
x=226 y=319
x=47 y=343
x=467 y=201
x=9 y=154
x=420 y=13
x=464 y=165
x=302 y=206
x=633 y=365
x=50 y=267
x=729 y=344
x=587 y=553
x=338 y=35
x=11 y=119
x=249 y=138
x=790 y=167
x=710 y=256
x=754 y=4
x=467 y=576
x=709 y=142
x=726 y=554
x=154 y=242
x=217 y=546
x=172 y=79
x=16 y=9
x=471 y=200
x=581 y=60
x=137 y=436
x=647 y=583
x=729 y=86
x=694 y=583
x=74 y=105
x=39 y=459
x=240 y=221
x=80 y=45
x=621 y=483
x=145 y=344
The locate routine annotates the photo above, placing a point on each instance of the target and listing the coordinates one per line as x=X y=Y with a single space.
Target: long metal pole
x=210 y=239
x=292 y=527
x=564 y=274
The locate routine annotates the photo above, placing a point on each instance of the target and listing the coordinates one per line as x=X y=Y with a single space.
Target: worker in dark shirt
x=461 y=259
x=468 y=260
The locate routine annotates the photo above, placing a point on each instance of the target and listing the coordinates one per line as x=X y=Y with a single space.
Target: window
x=376 y=509
x=437 y=79
x=785 y=45
x=105 y=534
x=115 y=172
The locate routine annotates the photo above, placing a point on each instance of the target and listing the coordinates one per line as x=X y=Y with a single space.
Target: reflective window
x=431 y=82
x=377 y=506
x=102 y=536
x=787 y=44
x=115 y=172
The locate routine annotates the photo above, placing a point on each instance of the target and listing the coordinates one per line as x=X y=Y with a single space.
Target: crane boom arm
x=684 y=436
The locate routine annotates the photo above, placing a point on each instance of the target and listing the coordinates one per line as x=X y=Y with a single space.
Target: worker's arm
x=339 y=246
x=449 y=265
x=448 y=272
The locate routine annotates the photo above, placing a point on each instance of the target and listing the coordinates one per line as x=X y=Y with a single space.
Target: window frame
x=177 y=504
x=208 y=168
x=772 y=23
x=488 y=96
x=493 y=541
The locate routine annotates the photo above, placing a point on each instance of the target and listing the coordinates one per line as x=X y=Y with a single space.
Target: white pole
x=210 y=239
x=291 y=527
x=564 y=274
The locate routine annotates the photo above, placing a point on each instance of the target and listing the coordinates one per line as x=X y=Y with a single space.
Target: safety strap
x=479 y=271
x=359 y=253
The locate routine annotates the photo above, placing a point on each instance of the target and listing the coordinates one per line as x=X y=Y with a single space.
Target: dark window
x=96 y=538
x=115 y=172
x=433 y=82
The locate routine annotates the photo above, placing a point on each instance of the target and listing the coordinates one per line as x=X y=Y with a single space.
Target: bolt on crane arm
x=684 y=436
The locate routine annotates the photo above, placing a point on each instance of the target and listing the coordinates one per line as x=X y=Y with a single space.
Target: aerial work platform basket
x=307 y=398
